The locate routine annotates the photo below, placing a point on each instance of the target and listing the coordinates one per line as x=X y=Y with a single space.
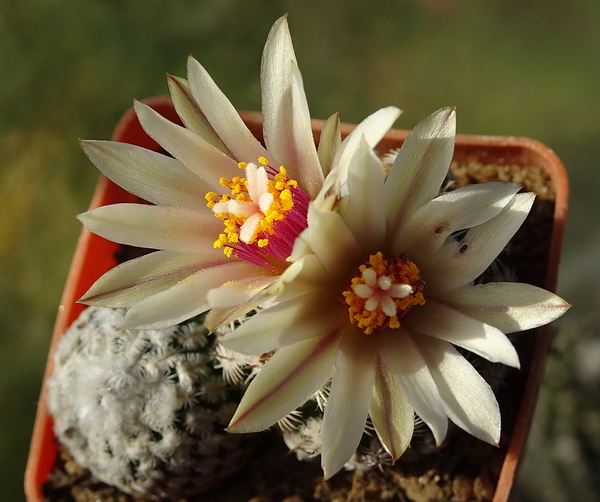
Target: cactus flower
x=226 y=210
x=382 y=291
x=365 y=279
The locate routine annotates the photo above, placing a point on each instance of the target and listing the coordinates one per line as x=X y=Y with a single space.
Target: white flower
x=226 y=211
x=380 y=291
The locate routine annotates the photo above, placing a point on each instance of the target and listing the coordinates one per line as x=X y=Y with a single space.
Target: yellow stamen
x=400 y=273
x=279 y=186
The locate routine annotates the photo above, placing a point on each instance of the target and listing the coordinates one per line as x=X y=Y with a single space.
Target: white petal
x=301 y=277
x=329 y=142
x=400 y=354
x=186 y=299
x=362 y=212
x=218 y=317
x=441 y=321
x=450 y=268
x=420 y=167
x=150 y=175
x=301 y=246
x=240 y=291
x=190 y=113
x=348 y=403
x=469 y=400
x=286 y=118
x=466 y=207
x=155 y=227
x=373 y=128
x=508 y=306
x=287 y=323
x=331 y=241
x=390 y=412
x=223 y=117
x=191 y=150
x=288 y=379
x=132 y=281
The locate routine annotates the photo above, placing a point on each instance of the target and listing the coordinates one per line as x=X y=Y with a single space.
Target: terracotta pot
x=95 y=255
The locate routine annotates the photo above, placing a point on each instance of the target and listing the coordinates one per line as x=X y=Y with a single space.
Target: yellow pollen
x=393 y=286
x=279 y=186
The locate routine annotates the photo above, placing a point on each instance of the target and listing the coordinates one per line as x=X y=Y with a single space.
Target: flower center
x=263 y=213
x=383 y=292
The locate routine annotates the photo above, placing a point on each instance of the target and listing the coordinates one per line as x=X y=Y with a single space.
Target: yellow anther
x=210 y=198
x=279 y=186
x=383 y=291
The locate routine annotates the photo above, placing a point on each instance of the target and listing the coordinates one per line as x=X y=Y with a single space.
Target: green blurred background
x=69 y=69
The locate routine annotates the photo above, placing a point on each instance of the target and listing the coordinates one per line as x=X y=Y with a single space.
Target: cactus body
x=144 y=410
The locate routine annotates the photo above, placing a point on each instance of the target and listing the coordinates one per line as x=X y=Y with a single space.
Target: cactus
x=144 y=410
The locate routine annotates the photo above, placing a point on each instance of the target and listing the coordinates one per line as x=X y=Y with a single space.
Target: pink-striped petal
x=373 y=128
x=185 y=299
x=400 y=354
x=215 y=318
x=509 y=306
x=191 y=114
x=348 y=403
x=288 y=379
x=286 y=118
x=224 y=117
x=468 y=399
x=300 y=278
x=200 y=157
x=464 y=208
x=155 y=227
x=329 y=142
x=287 y=323
x=390 y=412
x=235 y=293
x=441 y=321
x=362 y=214
x=458 y=263
x=132 y=281
x=327 y=228
x=420 y=167
x=150 y=175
